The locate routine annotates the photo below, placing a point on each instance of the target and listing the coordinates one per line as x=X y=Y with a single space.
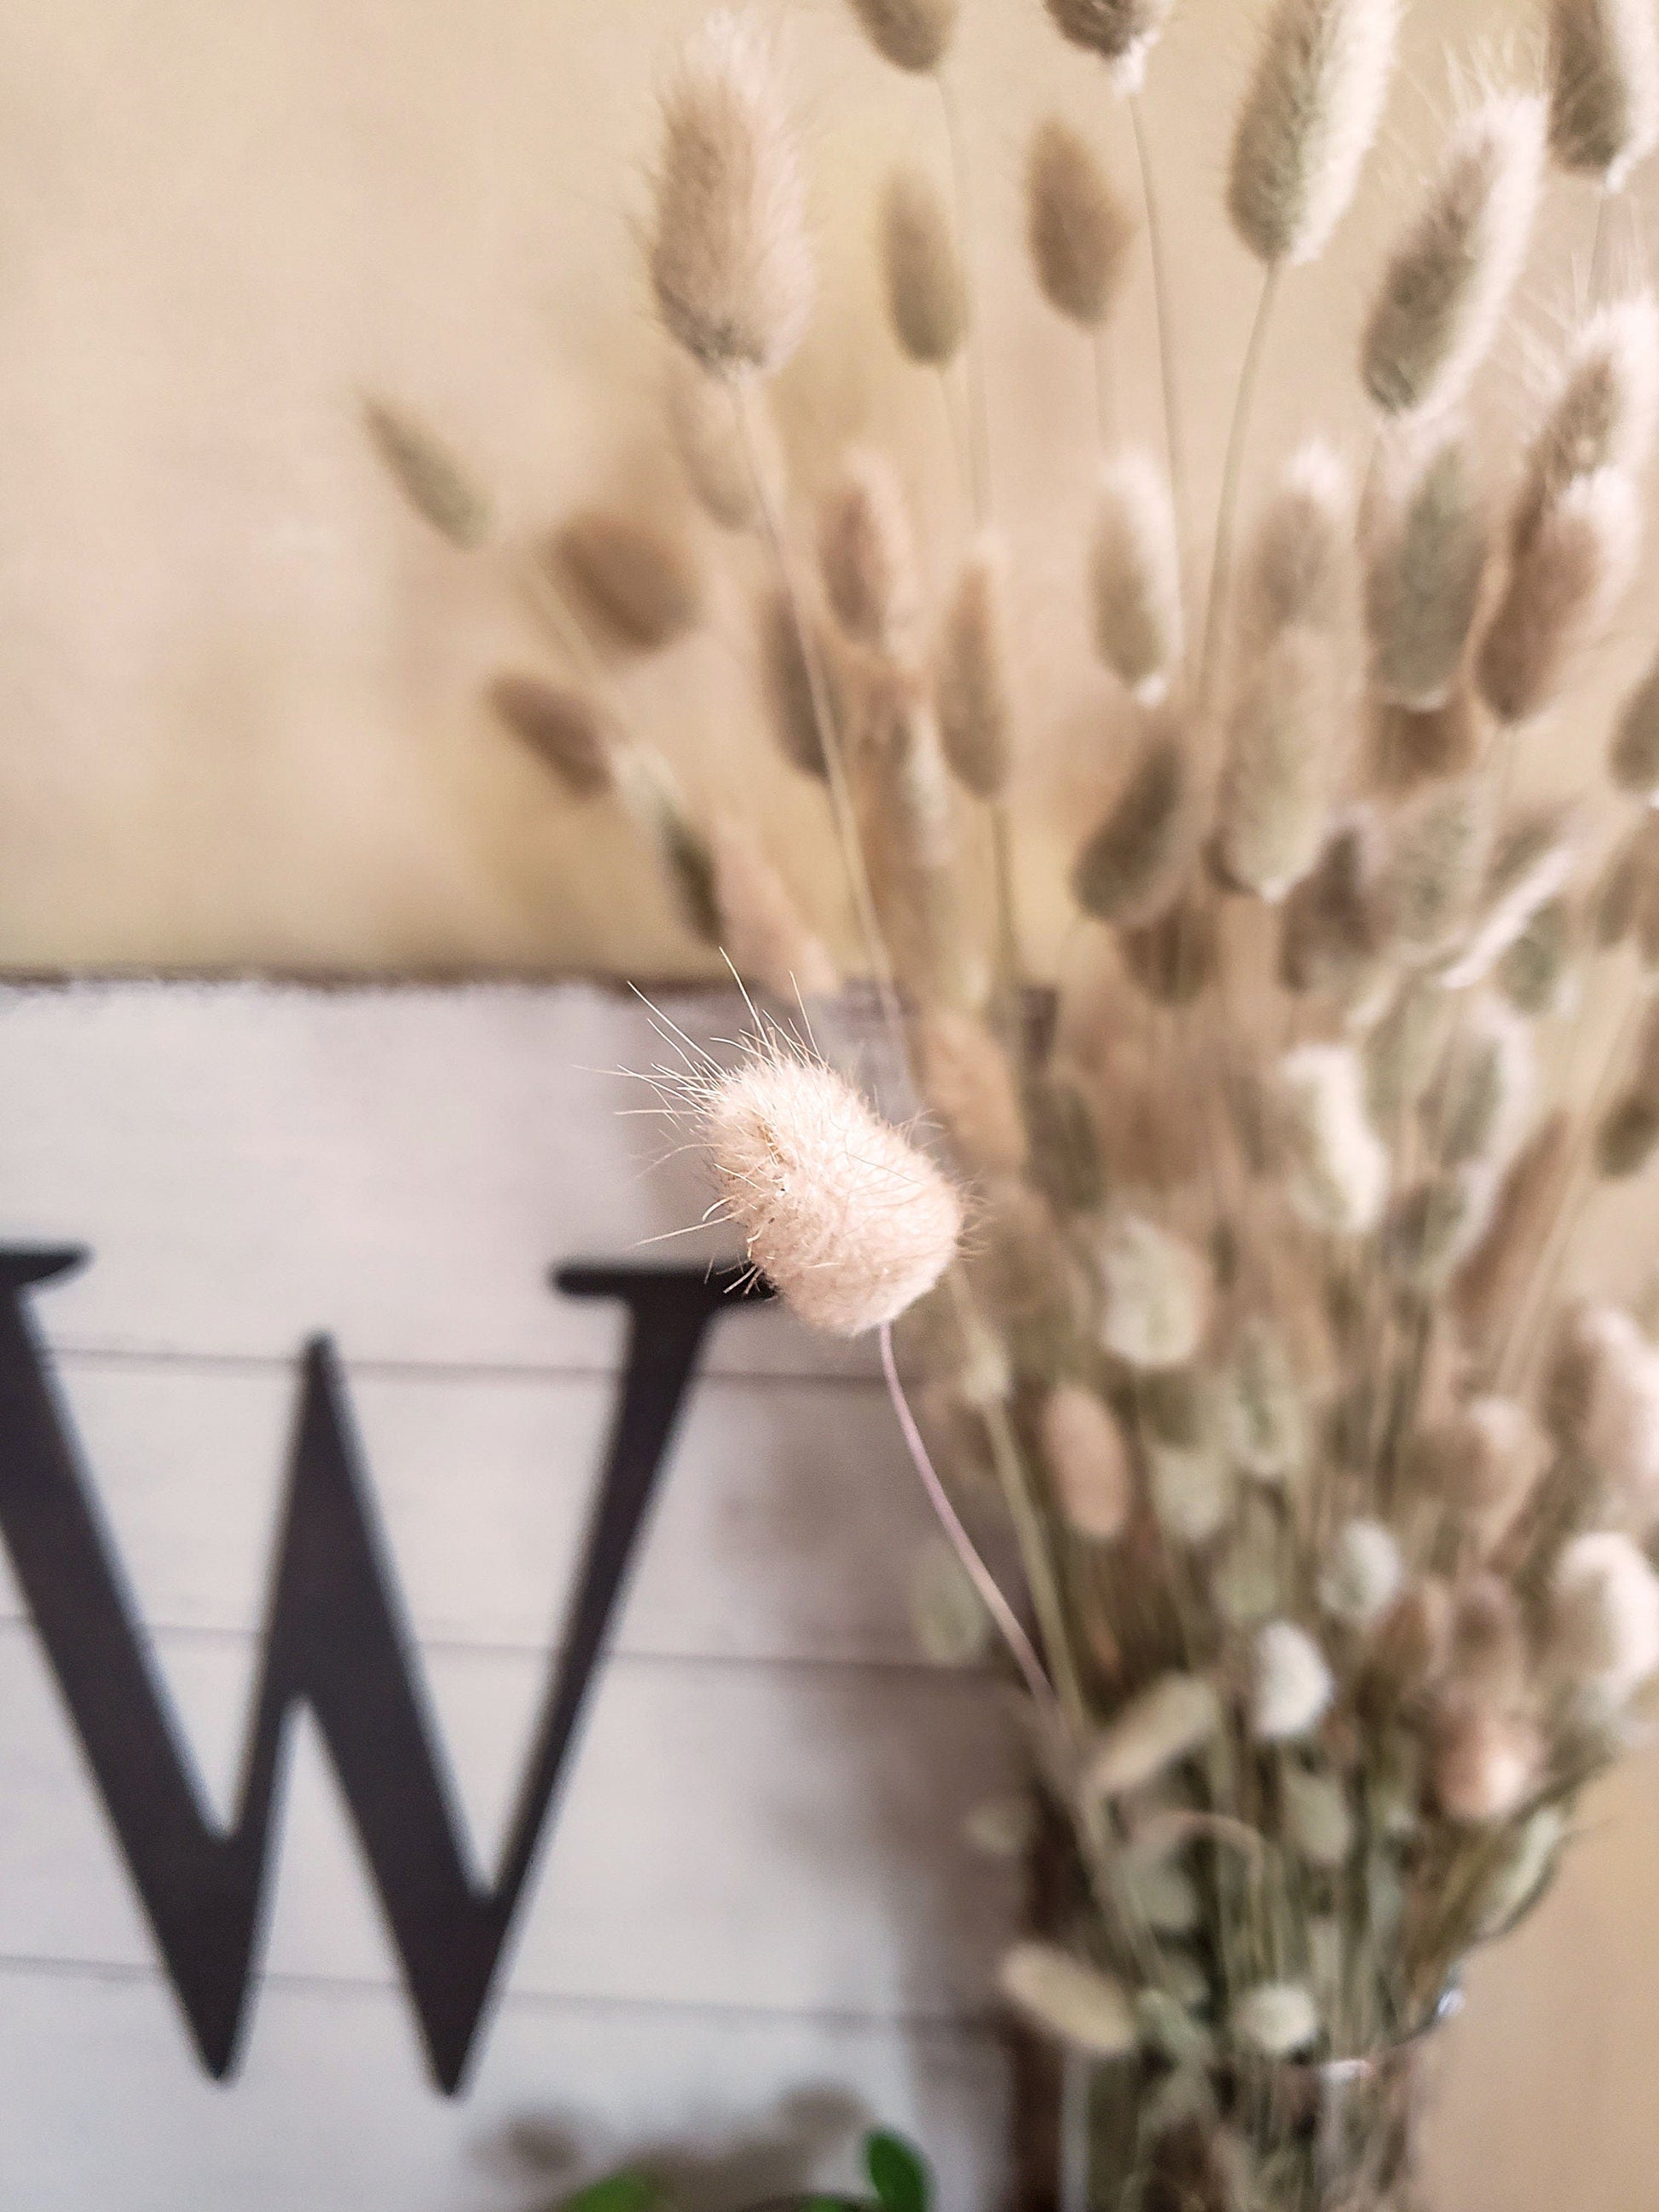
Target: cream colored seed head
x=1160 y=1725
x=912 y=34
x=1121 y=32
x=730 y=262
x=1427 y=541
x=1291 y=1685
x=1280 y=765
x=1486 y=1760
x=1298 y=566
x=1135 y=576
x=1604 y=86
x=968 y=1082
x=1069 y=1999
x=971 y=677
x=1338 y=1164
x=762 y=930
x=926 y=297
x=1565 y=584
x=1604 y=1613
x=1308 y=122
x=867 y=556
x=1157 y=1291
x=1078 y=230
x=849 y=1220
x=1445 y=285
x=704 y=428
x=1088 y=1462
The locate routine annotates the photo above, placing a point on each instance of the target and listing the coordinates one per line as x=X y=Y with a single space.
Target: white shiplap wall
x=756 y=1918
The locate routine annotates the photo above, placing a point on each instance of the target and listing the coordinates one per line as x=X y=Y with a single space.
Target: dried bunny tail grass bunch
x=1447 y=281
x=1134 y=577
x=1121 y=32
x=866 y=554
x=927 y=298
x=1078 y=230
x=1308 y=122
x=729 y=263
x=849 y=1222
x=1280 y=764
x=762 y=930
x=1565 y=582
x=1603 y=85
x=1427 y=540
x=1299 y=566
x=912 y=34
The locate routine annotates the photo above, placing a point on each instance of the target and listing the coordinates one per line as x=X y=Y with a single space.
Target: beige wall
x=238 y=718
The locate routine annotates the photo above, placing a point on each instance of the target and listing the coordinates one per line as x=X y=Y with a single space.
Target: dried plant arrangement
x=1276 y=1412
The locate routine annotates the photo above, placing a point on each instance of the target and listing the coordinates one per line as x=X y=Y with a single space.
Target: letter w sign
x=336 y=1640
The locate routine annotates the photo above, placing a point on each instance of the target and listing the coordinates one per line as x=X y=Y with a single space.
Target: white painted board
x=754 y=1920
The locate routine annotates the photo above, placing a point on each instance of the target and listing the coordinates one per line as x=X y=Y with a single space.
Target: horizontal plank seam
x=975 y=2025
x=14 y=1620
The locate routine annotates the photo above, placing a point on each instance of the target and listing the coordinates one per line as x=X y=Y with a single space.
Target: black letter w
x=336 y=1640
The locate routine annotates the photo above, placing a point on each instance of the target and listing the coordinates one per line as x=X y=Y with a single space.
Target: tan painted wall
x=238 y=718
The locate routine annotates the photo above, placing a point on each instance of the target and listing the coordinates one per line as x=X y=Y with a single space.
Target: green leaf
x=898 y=2173
x=616 y=2192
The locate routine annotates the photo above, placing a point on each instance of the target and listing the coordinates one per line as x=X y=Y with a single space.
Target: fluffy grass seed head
x=926 y=296
x=912 y=34
x=1126 y=871
x=1329 y=932
x=1445 y=285
x=703 y=428
x=1291 y=1685
x=971 y=694
x=1363 y=1574
x=1078 y=230
x=1297 y=566
x=1166 y=1722
x=1088 y=1462
x=1121 y=32
x=785 y=680
x=866 y=554
x=1603 y=85
x=1486 y=1760
x=429 y=475
x=729 y=263
x=1565 y=583
x=639 y=586
x=1482 y=1459
x=1277 y=2018
x=967 y=1081
x=1338 y=1165
x=847 y=1218
x=1156 y=1293
x=1427 y=541
x=1438 y=858
x=761 y=930
x=1308 y=122
x=1274 y=803
x=568 y=733
x=1604 y=1613
x=1603 y=412
x=1261 y=1408
x=1319 y=1821
x=1134 y=577
x=1070 y=2000
x=1633 y=760
x=1602 y=1403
